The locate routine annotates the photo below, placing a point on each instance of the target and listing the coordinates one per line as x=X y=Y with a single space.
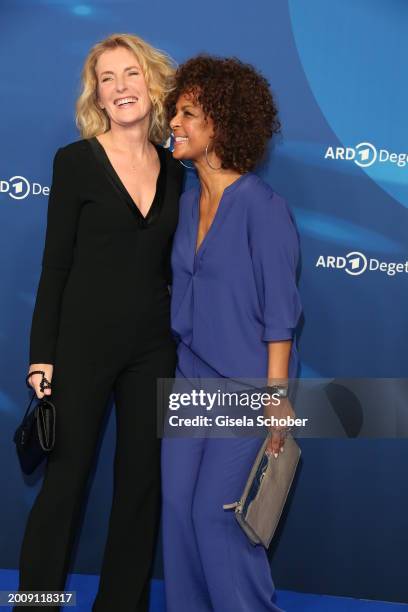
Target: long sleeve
x=62 y=220
x=275 y=252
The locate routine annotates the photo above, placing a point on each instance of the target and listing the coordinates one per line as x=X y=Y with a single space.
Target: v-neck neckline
x=155 y=206
x=217 y=217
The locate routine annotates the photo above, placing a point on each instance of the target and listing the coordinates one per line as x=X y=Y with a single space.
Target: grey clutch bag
x=264 y=496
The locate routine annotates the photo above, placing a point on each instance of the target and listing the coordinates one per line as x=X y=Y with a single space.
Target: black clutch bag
x=35 y=436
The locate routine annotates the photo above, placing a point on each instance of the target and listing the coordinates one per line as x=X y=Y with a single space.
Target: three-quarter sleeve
x=274 y=247
x=62 y=219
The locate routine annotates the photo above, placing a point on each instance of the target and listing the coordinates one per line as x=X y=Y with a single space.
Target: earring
x=186 y=166
x=206 y=159
x=182 y=163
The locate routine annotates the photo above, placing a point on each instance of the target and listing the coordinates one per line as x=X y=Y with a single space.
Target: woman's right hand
x=35 y=380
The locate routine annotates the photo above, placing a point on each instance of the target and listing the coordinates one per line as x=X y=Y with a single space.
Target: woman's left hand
x=278 y=432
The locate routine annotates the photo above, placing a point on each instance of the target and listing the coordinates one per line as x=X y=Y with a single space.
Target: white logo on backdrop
x=365 y=154
x=18 y=188
x=356 y=263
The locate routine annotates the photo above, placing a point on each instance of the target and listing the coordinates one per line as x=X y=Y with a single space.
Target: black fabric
x=157 y=203
x=102 y=260
x=81 y=399
x=102 y=318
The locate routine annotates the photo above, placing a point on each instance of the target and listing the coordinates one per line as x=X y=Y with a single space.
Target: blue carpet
x=85 y=585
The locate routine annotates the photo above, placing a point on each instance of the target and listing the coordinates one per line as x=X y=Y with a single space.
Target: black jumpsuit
x=102 y=318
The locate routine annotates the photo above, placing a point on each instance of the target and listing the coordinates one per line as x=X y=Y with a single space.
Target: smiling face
x=121 y=88
x=192 y=130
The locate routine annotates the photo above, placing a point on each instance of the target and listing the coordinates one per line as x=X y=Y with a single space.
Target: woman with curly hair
x=235 y=307
x=101 y=322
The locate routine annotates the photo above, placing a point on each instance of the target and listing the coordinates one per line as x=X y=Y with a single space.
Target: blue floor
x=86 y=585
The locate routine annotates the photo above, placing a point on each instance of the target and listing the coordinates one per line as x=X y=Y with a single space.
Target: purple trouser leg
x=209 y=564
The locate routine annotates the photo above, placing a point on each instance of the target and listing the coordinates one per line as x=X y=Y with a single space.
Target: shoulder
x=72 y=153
x=260 y=192
x=261 y=197
x=266 y=208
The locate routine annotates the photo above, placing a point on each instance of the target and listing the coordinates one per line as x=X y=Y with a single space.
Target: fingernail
x=275 y=455
x=281 y=449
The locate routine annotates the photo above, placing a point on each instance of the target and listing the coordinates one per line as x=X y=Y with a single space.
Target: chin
x=178 y=154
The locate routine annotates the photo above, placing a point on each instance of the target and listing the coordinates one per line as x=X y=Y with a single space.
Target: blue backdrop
x=338 y=70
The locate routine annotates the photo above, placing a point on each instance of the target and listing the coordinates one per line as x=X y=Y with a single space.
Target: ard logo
x=354 y=263
x=364 y=154
x=18 y=188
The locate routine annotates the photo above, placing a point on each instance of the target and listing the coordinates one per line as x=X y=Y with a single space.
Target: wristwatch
x=281 y=390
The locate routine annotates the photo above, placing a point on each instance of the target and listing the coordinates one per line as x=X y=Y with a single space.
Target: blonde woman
x=101 y=320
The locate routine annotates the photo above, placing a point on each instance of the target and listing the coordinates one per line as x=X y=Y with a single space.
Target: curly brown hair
x=239 y=101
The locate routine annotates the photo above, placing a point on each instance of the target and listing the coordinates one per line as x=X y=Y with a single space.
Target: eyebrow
x=128 y=68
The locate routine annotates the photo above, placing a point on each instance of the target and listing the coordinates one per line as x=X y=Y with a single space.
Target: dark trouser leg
x=125 y=575
x=80 y=395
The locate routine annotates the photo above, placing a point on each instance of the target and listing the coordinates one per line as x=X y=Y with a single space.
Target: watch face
x=278 y=390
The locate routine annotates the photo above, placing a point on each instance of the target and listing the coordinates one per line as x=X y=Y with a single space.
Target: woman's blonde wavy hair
x=158 y=69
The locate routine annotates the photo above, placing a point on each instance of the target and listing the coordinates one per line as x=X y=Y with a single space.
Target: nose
x=120 y=84
x=174 y=122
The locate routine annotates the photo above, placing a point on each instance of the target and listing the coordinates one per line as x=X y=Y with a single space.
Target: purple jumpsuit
x=231 y=298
